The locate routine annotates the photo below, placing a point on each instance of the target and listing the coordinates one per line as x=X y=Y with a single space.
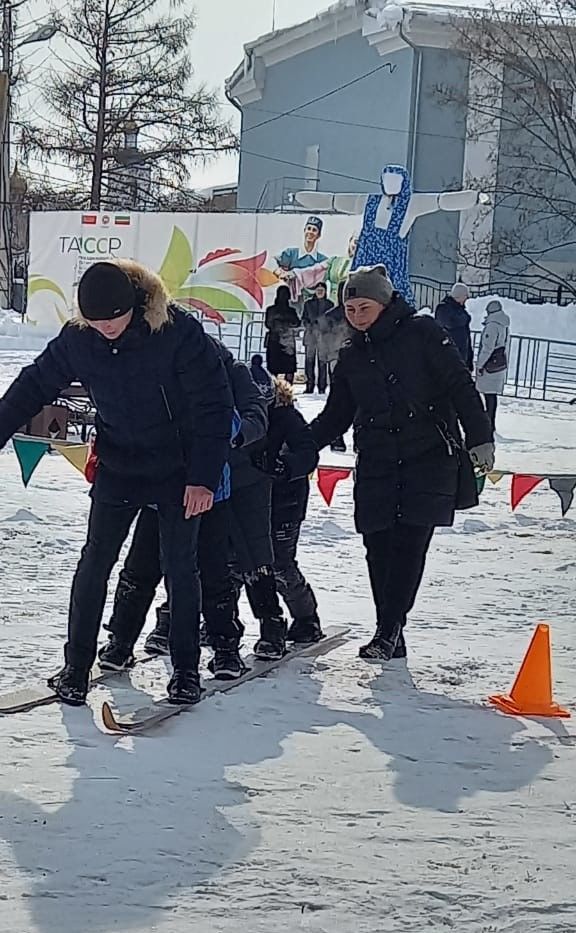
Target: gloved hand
x=483 y=457
x=280 y=470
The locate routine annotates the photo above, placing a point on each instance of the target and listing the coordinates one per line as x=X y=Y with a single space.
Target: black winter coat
x=290 y=441
x=282 y=324
x=405 y=472
x=162 y=398
x=248 y=401
x=455 y=320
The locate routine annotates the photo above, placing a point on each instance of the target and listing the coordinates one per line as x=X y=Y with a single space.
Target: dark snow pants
x=142 y=573
x=311 y=361
x=292 y=585
x=108 y=529
x=396 y=559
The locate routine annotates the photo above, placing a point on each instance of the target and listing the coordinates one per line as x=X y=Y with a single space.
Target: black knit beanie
x=105 y=292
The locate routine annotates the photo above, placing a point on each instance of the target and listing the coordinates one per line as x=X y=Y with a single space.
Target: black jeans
x=491 y=402
x=108 y=528
x=396 y=559
x=142 y=573
x=312 y=358
x=290 y=581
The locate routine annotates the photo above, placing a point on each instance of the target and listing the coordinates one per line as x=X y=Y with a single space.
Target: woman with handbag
x=492 y=363
x=403 y=385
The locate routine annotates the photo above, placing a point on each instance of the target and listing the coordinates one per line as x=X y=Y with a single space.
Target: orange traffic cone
x=531 y=694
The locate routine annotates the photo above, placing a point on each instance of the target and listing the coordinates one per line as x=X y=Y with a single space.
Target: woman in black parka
x=282 y=324
x=403 y=385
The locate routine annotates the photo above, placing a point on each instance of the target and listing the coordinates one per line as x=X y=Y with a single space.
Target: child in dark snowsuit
x=288 y=454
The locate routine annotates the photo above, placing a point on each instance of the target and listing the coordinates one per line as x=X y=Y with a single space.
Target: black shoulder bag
x=467 y=488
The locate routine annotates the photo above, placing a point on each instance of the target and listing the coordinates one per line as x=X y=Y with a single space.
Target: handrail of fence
x=539 y=369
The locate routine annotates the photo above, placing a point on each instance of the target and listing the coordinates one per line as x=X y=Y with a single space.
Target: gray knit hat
x=369 y=282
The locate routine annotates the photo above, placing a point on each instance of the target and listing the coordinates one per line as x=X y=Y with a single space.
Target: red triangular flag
x=327 y=480
x=522 y=484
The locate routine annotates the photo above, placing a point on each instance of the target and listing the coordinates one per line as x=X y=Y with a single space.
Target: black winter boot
x=271 y=646
x=115 y=655
x=71 y=684
x=184 y=687
x=383 y=646
x=158 y=641
x=227 y=663
x=305 y=631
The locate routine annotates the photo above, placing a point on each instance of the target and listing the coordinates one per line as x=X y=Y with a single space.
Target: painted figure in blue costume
x=389 y=218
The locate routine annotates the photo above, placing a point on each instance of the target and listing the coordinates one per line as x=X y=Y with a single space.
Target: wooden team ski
x=156 y=712
x=27 y=698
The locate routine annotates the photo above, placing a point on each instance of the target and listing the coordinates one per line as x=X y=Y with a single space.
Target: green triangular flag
x=29 y=455
x=480 y=483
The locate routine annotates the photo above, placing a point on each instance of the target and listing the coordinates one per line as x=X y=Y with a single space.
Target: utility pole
x=5 y=212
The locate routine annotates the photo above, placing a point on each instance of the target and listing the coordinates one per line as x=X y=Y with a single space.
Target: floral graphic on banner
x=204 y=289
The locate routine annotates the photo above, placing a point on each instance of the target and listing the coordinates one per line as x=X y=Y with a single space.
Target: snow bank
x=547 y=321
x=18 y=335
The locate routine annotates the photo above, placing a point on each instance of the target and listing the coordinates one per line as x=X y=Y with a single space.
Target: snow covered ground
x=332 y=796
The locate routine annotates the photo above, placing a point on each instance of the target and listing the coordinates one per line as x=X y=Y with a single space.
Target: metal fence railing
x=538 y=368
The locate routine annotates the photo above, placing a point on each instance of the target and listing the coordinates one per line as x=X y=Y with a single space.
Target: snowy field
x=333 y=796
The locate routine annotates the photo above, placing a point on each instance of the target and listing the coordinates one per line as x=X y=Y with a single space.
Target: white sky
x=216 y=46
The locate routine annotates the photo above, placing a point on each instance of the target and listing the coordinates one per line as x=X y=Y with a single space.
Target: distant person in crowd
x=295 y=257
x=262 y=377
x=313 y=321
x=452 y=315
x=335 y=333
x=492 y=363
x=402 y=384
x=282 y=324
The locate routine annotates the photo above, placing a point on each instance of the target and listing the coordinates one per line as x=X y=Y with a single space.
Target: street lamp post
x=9 y=44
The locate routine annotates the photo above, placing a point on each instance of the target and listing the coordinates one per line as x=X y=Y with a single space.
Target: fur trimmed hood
x=152 y=295
x=284 y=393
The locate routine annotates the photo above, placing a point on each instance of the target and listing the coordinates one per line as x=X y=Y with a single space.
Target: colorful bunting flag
x=480 y=483
x=76 y=454
x=565 y=487
x=29 y=454
x=327 y=479
x=522 y=484
x=495 y=476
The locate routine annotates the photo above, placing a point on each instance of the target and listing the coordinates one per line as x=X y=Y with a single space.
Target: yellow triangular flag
x=76 y=454
x=495 y=476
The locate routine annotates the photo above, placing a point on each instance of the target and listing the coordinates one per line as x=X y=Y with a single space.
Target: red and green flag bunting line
x=564 y=485
x=30 y=451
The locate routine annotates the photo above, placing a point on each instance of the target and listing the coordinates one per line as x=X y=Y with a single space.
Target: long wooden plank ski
x=20 y=701
x=156 y=712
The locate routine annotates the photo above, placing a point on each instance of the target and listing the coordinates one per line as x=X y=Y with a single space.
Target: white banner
x=221 y=265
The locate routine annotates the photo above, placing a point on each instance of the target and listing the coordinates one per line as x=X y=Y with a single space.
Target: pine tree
x=128 y=66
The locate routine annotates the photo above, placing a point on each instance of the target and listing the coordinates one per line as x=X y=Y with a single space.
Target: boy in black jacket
x=163 y=422
x=142 y=572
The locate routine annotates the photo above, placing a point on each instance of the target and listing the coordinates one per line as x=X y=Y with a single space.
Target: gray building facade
x=328 y=103
x=374 y=99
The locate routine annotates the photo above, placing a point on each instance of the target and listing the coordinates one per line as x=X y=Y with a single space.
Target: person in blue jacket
x=163 y=422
